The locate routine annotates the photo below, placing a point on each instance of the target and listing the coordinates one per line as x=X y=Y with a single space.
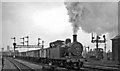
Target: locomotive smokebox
x=74 y=38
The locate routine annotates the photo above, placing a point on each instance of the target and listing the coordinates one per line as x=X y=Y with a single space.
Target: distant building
x=116 y=48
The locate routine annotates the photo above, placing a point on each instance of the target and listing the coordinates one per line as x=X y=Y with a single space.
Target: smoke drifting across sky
x=97 y=17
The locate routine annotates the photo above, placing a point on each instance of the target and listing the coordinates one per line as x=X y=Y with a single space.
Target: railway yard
x=11 y=64
x=57 y=57
x=66 y=58
x=95 y=48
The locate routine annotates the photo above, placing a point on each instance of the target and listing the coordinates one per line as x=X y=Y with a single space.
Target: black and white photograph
x=59 y=35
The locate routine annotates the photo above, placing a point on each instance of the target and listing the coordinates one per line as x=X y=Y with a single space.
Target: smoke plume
x=97 y=17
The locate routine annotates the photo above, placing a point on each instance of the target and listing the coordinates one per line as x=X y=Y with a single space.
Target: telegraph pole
x=2 y=58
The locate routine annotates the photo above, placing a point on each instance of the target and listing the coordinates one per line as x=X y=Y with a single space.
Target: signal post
x=14 y=45
x=98 y=40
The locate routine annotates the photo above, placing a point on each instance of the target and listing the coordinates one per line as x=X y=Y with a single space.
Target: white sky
x=59 y=0
x=47 y=20
x=0 y=25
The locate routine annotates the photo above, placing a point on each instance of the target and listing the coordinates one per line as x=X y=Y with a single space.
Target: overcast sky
x=0 y=25
x=47 y=20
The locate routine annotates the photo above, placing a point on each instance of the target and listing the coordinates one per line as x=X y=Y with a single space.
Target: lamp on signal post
x=14 y=39
x=42 y=44
x=27 y=40
x=22 y=41
x=14 y=43
x=39 y=41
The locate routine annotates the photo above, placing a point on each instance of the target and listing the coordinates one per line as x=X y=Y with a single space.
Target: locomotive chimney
x=74 y=38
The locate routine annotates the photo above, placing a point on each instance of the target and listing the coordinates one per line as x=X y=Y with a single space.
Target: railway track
x=89 y=69
x=101 y=68
x=98 y=69
x=55 y=68
x=22 y=67
x=19 y=66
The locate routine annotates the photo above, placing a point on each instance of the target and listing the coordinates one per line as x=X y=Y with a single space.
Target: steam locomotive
x=60 y=53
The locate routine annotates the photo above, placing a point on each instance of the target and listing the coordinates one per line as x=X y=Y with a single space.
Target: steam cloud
x=97 y=17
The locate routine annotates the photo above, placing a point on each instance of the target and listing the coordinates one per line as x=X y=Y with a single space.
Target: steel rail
x=18 y=65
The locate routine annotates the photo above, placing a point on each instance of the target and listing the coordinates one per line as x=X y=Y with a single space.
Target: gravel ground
x=103 y=63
